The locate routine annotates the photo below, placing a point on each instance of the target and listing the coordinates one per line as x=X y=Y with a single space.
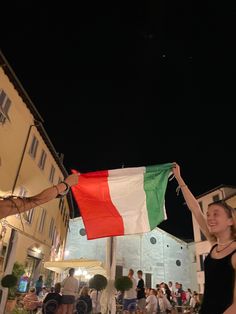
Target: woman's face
x=218 y=220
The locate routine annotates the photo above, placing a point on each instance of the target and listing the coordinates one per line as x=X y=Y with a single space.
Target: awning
x=92 y=266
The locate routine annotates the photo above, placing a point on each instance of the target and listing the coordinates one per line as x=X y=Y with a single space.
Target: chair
x=50 y=307
x=81 y=307
x=119 y=308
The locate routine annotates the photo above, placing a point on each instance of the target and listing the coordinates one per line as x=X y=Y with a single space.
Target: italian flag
x=122 y=201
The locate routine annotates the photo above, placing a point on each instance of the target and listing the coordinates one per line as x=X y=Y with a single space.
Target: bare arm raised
x=14 y=205
x=191 y=202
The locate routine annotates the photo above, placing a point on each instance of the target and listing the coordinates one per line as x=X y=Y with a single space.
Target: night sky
x=133 y=85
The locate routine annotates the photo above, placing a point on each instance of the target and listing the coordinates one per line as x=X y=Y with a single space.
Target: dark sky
x=133 y=84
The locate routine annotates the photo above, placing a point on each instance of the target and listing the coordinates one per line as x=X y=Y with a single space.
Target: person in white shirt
x=163 y=303
x=95 y=297
x=130 y=296
x=70 y=287
x=151 y=302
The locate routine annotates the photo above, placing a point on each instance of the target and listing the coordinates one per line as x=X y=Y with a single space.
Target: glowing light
x=78 y=272
x=85 y=272
x=67 y=252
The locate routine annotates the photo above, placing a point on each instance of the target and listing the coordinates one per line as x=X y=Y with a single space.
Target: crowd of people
x=163 y=299
x=66 y=294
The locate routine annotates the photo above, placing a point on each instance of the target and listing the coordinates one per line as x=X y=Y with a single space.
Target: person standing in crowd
x=163 y=304
x=151 y=302
x=219 y=227
x=130 y=296
x=39 y=285
x=178 y=294
x=194 y=303
x=70 y=288
x=95 y=296
x=141 y=292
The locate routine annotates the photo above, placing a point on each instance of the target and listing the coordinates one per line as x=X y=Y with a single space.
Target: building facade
x=161 y=256
x=29 y=163
x=202 y=245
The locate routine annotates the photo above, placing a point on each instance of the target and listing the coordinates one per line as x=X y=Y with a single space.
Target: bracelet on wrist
x=179 y=187
x=61 y=194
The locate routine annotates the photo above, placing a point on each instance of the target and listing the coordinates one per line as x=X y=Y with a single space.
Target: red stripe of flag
x=100 y=216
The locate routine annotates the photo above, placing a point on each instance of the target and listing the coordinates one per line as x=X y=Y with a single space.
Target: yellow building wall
x=13 y=137
x=13 y=134
x=232 y=201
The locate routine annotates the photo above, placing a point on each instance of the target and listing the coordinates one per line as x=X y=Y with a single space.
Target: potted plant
x=10 y=281
x=98 y=282
x=123 y=283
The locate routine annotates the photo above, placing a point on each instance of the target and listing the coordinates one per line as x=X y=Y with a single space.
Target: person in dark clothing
x=53 y=296
x=219 y=227
x=141 y=292
x=178 y=294
x=39 y=285
x=84 y=296
x=167 y=291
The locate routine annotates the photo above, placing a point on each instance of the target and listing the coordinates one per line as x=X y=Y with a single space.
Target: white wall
x=138 y=252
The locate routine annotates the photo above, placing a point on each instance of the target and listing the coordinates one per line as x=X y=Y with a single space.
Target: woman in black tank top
x=219 y=227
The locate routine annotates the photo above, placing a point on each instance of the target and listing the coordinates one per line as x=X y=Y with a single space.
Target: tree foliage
x=123 y=283
x=98 y=282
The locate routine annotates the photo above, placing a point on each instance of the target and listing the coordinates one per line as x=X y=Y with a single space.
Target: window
x=42 y=220
x=178 y=262
x=33 y=147
x=51 y=229
x=5 y=104
x=22 y=193
x=148 y=280
x=29 y=215
x=52 y=173
x=42 y=159
x=64 y=212
x=215 y=197
x=54 y=236
x=153 y=240
x=82 y=232
x=66 y=220
x=61 y=204
x=119 y=271
x=57 y=247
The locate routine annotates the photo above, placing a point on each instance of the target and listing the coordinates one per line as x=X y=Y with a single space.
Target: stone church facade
x=161 y=256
